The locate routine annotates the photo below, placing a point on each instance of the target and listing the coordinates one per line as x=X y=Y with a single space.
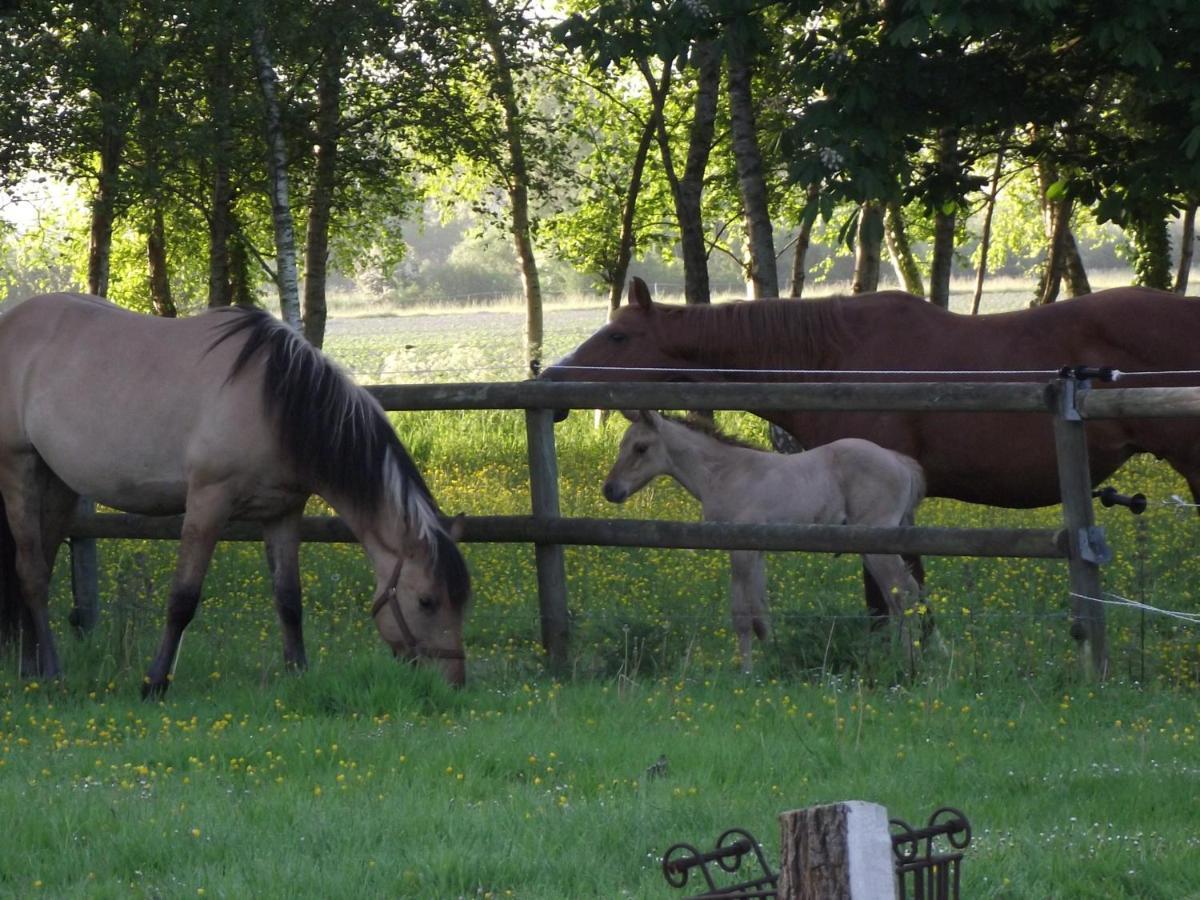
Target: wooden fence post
x=1084 y=540
x=551 y=567
x=85 y=584
x=842 y=851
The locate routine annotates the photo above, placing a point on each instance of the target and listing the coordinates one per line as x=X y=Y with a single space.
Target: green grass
x=366 y=778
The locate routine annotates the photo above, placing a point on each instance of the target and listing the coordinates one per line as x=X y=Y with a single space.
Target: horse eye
x=640 y=448
x=617 y=337
x=428 y=602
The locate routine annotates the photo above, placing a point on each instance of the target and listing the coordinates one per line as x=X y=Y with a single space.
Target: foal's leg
x=207 y=511
x=282 y=539
x=900 y=589
x=38 y=506
x=748 y=588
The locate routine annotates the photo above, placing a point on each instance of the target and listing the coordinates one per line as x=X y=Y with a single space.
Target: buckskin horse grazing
x=228 y=414
x=1002 y=459
x=847 y=482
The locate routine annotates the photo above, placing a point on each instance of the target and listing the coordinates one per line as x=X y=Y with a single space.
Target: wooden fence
x=1068 y=400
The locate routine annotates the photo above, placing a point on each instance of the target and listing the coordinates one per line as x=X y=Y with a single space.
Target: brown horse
x=1003 y=459
x=228 y=414
x=847 y=482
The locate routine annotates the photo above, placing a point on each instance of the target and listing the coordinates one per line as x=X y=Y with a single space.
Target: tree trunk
x=505 y=92
x=616 y=278
x=286 y=277
x=149 y=130
x=1187 y=244
x=1073 y=268
x=320 y=206
x=241 y=292
x=763 y=276
x=943 y=223
x=687 y=191
x=803 y=241
x=104 y=204
x=1151 y=253
x=867 y=242
x=985 y=238
x=220 y=215
x=908 y=273
x=1060 y=218
x=156 y=258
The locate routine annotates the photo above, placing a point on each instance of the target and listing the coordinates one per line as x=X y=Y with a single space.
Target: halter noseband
x=411 y=647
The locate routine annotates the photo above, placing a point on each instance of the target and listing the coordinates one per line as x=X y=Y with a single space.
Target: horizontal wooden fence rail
x=933 y=396
x=1038 y=543
x=1066 y=401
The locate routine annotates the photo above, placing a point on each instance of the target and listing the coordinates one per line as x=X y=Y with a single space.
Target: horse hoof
x=153 y=690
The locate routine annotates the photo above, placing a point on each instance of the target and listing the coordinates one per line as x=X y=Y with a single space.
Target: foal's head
x=641 y=457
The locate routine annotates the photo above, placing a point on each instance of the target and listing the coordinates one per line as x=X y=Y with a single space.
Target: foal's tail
x=916 y=487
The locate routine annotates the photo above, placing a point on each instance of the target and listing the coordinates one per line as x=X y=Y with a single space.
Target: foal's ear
x=457 y=527
x=633 y=415
x=639 y=293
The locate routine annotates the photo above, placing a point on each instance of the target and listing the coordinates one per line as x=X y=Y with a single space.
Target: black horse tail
x=12 y=603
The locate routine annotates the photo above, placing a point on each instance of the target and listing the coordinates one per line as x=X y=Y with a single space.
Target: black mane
x=337 y=435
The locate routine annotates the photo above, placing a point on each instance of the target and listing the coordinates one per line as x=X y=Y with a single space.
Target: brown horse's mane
x=706 y=426
x=337 y=435
x=785 y=333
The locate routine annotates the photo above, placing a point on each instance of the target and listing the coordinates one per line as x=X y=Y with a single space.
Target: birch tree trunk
x=908 y=273
x=763 y=276
x=1187 y=245
x=286 y=277
x=517 y=177
x=867 y=243
x=220 y=214
x=320 y=206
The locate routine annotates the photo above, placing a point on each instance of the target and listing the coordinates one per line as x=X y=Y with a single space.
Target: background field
x=364 y=778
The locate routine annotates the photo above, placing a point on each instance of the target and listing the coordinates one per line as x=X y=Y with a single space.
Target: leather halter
x=411 y=647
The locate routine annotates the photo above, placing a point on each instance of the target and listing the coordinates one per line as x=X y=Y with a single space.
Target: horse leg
x=748 y=593
x=282 y=541
x=33 y=496
x=877 y=605
x=207 y=511
x=900 y=591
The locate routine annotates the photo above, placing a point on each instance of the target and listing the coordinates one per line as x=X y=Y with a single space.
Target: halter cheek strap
x=410 y=647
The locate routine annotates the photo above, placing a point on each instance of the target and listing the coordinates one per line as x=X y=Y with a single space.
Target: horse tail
x=11 y=601
x=916 y=487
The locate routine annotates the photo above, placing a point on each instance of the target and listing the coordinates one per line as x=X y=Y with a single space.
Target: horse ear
x=651 y=418
x=639 y=293
x=458 y=526
x=633 y=415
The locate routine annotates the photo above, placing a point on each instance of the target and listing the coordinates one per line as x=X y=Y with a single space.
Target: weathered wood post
x=85 y=583
x=841 y=851
x=1084 y=540
x=551 y=567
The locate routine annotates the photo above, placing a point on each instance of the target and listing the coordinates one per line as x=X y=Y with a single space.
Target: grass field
x=362 y=778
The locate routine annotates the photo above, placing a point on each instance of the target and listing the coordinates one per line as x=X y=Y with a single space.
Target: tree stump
x=842 y=851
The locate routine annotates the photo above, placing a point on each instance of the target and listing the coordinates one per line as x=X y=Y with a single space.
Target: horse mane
x=785 y=333
x=705 y=426
x=337 y=435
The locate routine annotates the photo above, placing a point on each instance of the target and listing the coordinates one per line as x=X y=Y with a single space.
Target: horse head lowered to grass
x=847 y=482
x=230 y=414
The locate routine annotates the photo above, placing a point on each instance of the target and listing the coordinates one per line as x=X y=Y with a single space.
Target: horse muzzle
x=614 y=493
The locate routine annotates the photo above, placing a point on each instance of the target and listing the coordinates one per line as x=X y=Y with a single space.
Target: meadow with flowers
x=362 y=777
